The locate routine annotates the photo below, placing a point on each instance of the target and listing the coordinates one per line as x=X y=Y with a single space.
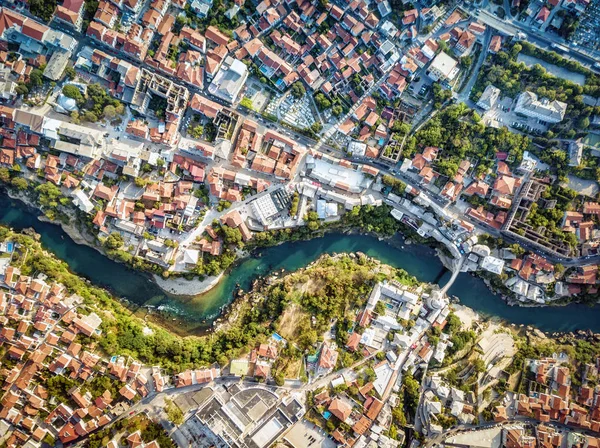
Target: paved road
x=463 y=97
x=534 y=36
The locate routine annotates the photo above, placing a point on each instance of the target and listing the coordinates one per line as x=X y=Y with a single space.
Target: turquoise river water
x=196 y=313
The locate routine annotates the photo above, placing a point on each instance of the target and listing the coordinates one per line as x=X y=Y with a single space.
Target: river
x=194 y=314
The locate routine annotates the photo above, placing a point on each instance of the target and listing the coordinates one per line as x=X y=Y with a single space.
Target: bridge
x=456 y=266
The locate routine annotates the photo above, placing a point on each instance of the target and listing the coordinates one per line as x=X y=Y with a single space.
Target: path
x=455 y=271
x=463 y=96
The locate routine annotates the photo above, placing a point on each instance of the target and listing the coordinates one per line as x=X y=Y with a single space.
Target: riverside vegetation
x=330 y=288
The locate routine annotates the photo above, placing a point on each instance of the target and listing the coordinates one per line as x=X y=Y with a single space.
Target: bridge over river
x=456 y=267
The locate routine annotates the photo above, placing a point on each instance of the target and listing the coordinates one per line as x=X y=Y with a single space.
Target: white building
x=389 y=29
x=326 y=209
x=264 y=209
x=229 y=80
x=7 y=85
x=545 y=110
x=82 y=201
x=443 y=67
x=493 y=264
x=357 y=149
x=489 y=97
x=575 y=152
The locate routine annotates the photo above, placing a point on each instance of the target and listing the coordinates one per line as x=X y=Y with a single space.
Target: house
x=465 y=43
x=340 y=408
x=327 y=359
x=489 y=97
x=443 y=68
x=495 y=44
x=70 y=12
x=542 y=16
x=267 y=351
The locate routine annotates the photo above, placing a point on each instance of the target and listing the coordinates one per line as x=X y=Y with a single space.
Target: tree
x=69 y=72
x=4 y=175
x=231 y=235
x=411 y=392
x=22 y=89
x=400 y=127
x=516 y=249
x=453 y=324
x=223 y=205
x=247 y=103
x=42 y=8
x=90 y=116
x=294 y=205
x=109 y=111
x=173 y=412
x=279 y=379
x=197 y=131
x=19 y=183
x=479 y=365
x=113 y=241
x=75 y=117
x=583 y=123
x=35 y=78
x=322 y=102
x=559 y=269
x=298 y=90
x=337 y=110
x=72 y=92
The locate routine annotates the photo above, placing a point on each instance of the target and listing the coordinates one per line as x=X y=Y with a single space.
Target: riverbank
x=195 y=315
x=71 y=228
x=180 y=286
x=177 y=286
x=196 y=288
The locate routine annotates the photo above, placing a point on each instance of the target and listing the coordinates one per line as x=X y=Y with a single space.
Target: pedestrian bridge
x=456 y=266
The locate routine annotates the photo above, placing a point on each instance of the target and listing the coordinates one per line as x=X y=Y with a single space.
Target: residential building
x=443 y=68
x=545 y=110
x=489 y=97
x=229 y=80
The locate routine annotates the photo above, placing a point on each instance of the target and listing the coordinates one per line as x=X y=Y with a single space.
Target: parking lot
x=421 y=86
x=305 y=434
x=502 y=114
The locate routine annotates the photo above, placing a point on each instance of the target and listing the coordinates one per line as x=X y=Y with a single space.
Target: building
x=489 y=97
x=74 y=139
x=443 y=68
x=575 y=152
x=229 y=80
x=465 y=43
x=70 y=12
x=57 y=64
x=7 y=85
x=545 y=110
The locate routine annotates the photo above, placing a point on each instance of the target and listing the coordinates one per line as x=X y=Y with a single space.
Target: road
x=463 y=97
x=534 y=36
x=518 y=420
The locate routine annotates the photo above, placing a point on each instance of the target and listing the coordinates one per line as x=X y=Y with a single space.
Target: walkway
x=455 y=271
